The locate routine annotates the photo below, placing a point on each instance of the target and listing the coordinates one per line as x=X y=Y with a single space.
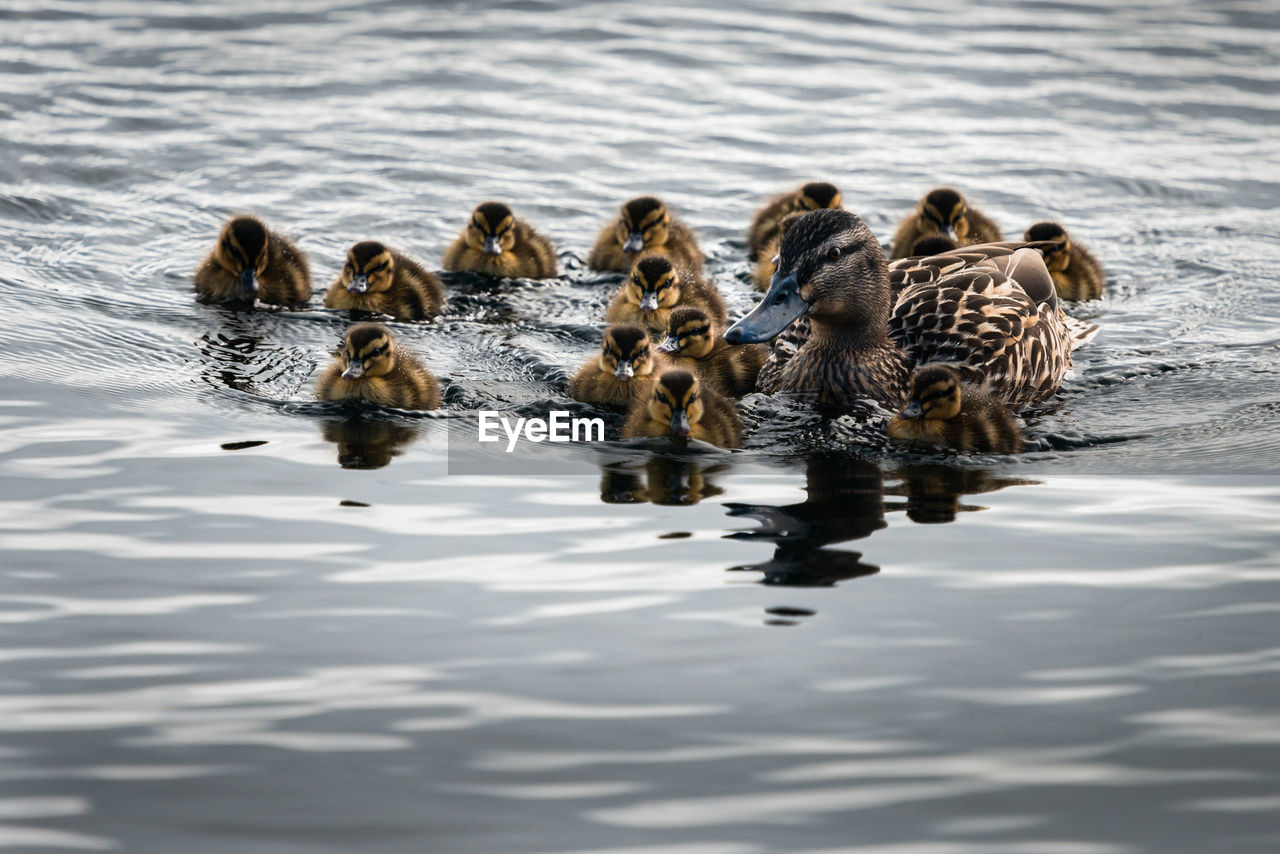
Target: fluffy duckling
x=1076 y=272
x=692 y=344
x=943 y=210
x=683 y=407
x=371 y=367
x=495 y=243
x=654 y=288
x=942 y=410
x=765 y=227
x=932 y=244
x=623 y=372
x=251 y=262
x=382 y=280
x=645 y=227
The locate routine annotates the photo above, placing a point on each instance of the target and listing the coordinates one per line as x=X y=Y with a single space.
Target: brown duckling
x=942 y=410
x=382 y=280
x=371 y=367
x=495 y=243
x=654 y=288
x=692 y=344
x=944 y=210
x=1076 y=272
x=765 y=227
x=683 y=407
x=251 y=262
x=623 y=372
x=644 y=227
x=932 y=244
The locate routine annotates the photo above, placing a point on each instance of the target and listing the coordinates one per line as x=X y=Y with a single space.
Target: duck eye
x=833 y=254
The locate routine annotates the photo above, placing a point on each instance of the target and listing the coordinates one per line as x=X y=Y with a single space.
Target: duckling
x=765 y=227
x=382 y=280
x=990 y=311
x=645 y=227
x=1076 y=272
x=371 y=367
x=943 y=410
x=250 y=263
x=682 y=406
x=944 y=210
x=495 y=243
x=654 y=288
x=932 y=244
x=692 y=344
x=622 y=373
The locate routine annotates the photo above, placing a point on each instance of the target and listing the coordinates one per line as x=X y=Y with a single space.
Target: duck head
x=676 y=402
x=491 y=229
x=943 y=210
x=934 y=394
x=830 y=266
x=370 y=267
x=644 y=224
x=626 y=352
x=689 y=333
x=1058 y=255
x=242 y=251
x=368 y=351
x=817 y=195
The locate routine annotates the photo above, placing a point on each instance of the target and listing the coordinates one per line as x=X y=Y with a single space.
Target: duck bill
x=354 y=371
x=635 y=242
x=359 y=284
x=249 y=281
x=492 y=247
x=669 y=345
x=914 y=410
x=680 y=423
x=781 y=305
x=625 y=370
x=649 y=302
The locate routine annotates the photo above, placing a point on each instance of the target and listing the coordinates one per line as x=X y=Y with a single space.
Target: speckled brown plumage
x=397 y=285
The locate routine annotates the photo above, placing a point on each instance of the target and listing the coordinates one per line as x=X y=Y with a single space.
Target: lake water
x=216 y=638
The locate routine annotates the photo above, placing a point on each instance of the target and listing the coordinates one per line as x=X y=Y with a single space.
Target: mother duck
x=990 y=311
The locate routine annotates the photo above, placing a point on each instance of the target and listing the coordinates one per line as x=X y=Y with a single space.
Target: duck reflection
x=237 y=357
x=366 y=442
x=659 y=480
x=933 y=490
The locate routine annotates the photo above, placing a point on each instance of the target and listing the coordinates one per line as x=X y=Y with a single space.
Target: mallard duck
x=944 y=210
x=765 y=227
x=645 y=227
x=943 y=410
x=371 y=367
x=622 y=373
x=683 y=407
x=989 y=311
x=765 y=264
x=654 y=288
x=384 y=281
x=1076 y=272
x=692 y=343
x=495 y=243
x=250 y=263
x=931 y=244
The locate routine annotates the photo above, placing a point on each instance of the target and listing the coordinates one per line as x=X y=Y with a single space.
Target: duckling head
x=368 y=351
x=676 y=401
x=645 y=224
x=1056 y=257
x=830 y=266
x=932 y=244
x=934 y=394
x=943 y=209
x=626 y=352
x=653 y=284
x=370 y=267
x=689 y=333
x=817 y=195
x=491 y=229
x=242 y=251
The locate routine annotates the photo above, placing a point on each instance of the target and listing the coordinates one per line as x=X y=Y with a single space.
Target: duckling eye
x=379 y=268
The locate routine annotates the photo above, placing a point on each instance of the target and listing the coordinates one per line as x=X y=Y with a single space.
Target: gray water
x=234 y=620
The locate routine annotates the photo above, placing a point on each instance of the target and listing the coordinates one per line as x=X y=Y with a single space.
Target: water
x=215 y=638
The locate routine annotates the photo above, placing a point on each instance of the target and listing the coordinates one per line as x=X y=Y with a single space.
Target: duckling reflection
x=933 y=490
x=236 y=358
x=667 y=481
x=367 y=443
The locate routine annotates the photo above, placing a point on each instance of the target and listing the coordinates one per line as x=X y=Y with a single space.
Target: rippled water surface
x=234 y=620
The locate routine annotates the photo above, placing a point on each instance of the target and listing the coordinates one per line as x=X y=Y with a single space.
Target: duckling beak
x=680 y=423
x=649 y=302
x=492 y=246
x=249 y=280
x=354 y=371
x=625 y=370
x=359 y=283
x=948 y=229
x=781 y=305
x=635 y=242
x=913 y=410
x=670 y=344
